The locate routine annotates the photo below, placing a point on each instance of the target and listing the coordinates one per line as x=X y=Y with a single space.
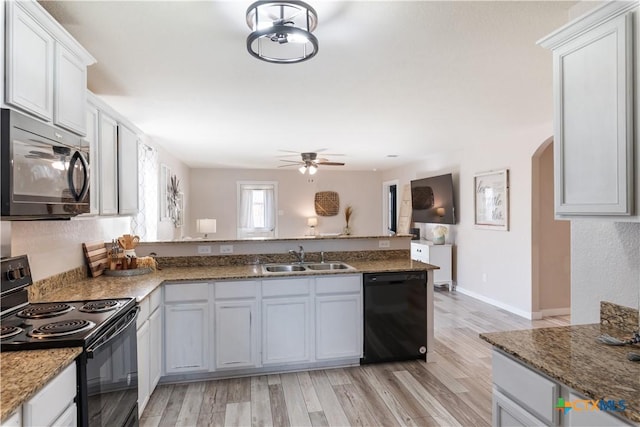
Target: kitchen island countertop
x=572 y=356
x=24 y=373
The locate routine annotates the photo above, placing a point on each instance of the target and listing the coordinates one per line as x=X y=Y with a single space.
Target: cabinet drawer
x=241 y=289
x=530 y=389
x=338 y=284
x=285 y=287
x=155 y=299
x=186 y=292
x=143 y=314
x=51 y=402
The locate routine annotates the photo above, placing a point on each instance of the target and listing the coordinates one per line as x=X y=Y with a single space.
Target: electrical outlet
x=226 y=249
x=484 y=277
x=202 y=250
x=384 y=243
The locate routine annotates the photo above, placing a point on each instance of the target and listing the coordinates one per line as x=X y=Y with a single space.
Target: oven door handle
x=110 y=335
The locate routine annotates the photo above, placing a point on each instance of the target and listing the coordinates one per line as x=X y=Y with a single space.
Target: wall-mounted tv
x=432 y=200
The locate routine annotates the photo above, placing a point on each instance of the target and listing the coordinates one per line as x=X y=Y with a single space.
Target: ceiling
x=392 y=78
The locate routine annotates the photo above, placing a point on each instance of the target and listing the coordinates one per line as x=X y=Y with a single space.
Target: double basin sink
x=307 y=266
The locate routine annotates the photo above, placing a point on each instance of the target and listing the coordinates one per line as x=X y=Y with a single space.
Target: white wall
x=54 y=247
x=605 y=266
x=213 y=195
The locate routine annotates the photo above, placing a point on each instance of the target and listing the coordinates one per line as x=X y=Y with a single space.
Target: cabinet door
x=593 y=147
x=108 y=165
x=70 y=91
x=143 y=367
x=236 y=334
x=69 y=418
x=155 y=349
x=338 y=326
x=127 y=171
x=440 y=255
x=52 y=400
x=286 y=330
x=15 y=420
x=91 y=138
x=29 y=67
x=186 y=337
x=507 y=413
x=590 y=418
x=420 y=252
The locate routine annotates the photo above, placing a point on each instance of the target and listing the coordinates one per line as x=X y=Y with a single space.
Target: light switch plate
x=384 y=243
x=202 y=250
x=226 y=249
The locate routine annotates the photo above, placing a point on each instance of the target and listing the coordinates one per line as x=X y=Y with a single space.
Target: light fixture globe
x=281 y=31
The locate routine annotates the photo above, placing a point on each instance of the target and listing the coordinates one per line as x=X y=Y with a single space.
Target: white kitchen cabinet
x=15 y=419
x=594 y=113
x=91 y=138
x=439 y=255
x=155 y=349
x=45 y=68
x=70 y=91
x=127 y=171
x=286 y=321
x=338 y=317
x=54 y=403
x=143 y=366
x=108 y=165
x=590 y=418
x=186 y=328
x=29 y=63
x=507 y=413
x=237 y=324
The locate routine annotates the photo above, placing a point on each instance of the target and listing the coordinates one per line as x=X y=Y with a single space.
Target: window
x=257 y=206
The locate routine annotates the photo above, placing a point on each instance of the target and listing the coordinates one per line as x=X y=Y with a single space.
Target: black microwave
x=44 y=170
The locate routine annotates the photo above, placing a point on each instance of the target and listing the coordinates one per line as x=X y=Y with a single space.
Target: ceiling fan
x=310 y=162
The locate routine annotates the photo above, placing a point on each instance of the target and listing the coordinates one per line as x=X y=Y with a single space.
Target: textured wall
x=605 y=266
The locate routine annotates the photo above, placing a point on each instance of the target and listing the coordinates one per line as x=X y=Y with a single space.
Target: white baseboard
x=550 y=312
x=522 y=313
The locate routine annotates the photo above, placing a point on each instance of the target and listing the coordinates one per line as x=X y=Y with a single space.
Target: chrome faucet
x=322 y=257
x=299 y=255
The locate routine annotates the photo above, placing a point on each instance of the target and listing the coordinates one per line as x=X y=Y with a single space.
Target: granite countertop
x=24 y=373
x=572 y=356
x=141 y=286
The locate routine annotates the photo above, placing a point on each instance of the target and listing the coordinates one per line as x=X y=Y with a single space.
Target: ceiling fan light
x=302 y=169
x=313 y=169
x=281 y=31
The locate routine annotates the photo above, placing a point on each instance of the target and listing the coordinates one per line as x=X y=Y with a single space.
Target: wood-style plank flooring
x=452 y=390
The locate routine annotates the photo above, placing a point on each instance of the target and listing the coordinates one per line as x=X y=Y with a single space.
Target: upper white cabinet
x=92 y=137
x=593 y=71
x=127 y=171
x=108 y=164
x=46 y=69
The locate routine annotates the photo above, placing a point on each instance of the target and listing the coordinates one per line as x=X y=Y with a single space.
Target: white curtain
x=269 y=209
x=246 y=207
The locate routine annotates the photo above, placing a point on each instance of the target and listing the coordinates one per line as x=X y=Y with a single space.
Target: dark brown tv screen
x=432 y=200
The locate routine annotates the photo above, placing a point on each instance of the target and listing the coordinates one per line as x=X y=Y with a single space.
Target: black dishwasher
x=395 y=316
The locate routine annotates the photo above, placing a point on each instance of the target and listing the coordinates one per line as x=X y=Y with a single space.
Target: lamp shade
x=206 y=225
x=312 y=222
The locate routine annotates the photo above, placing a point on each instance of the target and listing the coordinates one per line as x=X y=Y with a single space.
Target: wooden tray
x=126 y=273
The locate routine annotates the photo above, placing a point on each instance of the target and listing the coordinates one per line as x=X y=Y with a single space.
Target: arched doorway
x=550 y=242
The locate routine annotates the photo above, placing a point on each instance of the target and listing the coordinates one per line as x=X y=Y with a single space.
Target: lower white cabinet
x=143 y=367
x=439 y=255
x=589 y=418
x=236 y=329
x=286 y=321
x=149 y=336
x=15 y=419
x=55 y=403
x=186 y=328
x=506 y=412
x=155 y=349
x=338 y=317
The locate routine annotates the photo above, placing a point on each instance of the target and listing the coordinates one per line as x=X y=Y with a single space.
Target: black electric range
x=104 y=328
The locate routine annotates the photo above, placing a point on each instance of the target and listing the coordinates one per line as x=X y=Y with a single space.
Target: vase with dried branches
x=348 y=212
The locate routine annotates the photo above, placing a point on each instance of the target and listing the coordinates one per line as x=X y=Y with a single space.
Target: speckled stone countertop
x=141 y=286
x=24 y=373
x=572 y=356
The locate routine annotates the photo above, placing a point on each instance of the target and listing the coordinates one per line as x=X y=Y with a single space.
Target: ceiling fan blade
x=330 y=163
x=286 y=166
x=290 y=151
x=295 y=162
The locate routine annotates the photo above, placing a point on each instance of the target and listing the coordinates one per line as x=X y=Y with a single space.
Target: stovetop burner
x=61 y=328
x=100 y=306
x=42 y=311
x=9 y=331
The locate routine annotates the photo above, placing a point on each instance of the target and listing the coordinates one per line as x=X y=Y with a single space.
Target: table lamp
x=206 y=226
x=312 y=223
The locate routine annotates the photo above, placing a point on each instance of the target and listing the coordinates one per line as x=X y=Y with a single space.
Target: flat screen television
x=432 y=200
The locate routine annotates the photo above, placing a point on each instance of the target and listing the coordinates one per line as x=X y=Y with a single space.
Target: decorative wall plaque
x=327 y=203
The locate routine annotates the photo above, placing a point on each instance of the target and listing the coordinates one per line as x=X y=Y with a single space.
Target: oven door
x=110 y=394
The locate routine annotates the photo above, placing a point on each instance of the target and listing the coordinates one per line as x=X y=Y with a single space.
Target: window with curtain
x=257 y=207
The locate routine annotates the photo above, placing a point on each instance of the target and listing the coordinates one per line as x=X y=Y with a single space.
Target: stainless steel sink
x=283 y=268
x=329 y=266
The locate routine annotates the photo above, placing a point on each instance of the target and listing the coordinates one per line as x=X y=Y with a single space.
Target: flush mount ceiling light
x=281 y=31
x=311 y=167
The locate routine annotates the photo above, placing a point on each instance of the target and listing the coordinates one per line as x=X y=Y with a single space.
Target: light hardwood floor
x=452 y=390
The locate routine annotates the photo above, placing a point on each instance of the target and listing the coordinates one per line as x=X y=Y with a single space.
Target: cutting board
x=97 y=258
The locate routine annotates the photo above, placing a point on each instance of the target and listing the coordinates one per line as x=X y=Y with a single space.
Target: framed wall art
x=491 y=200
x=165 y=208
